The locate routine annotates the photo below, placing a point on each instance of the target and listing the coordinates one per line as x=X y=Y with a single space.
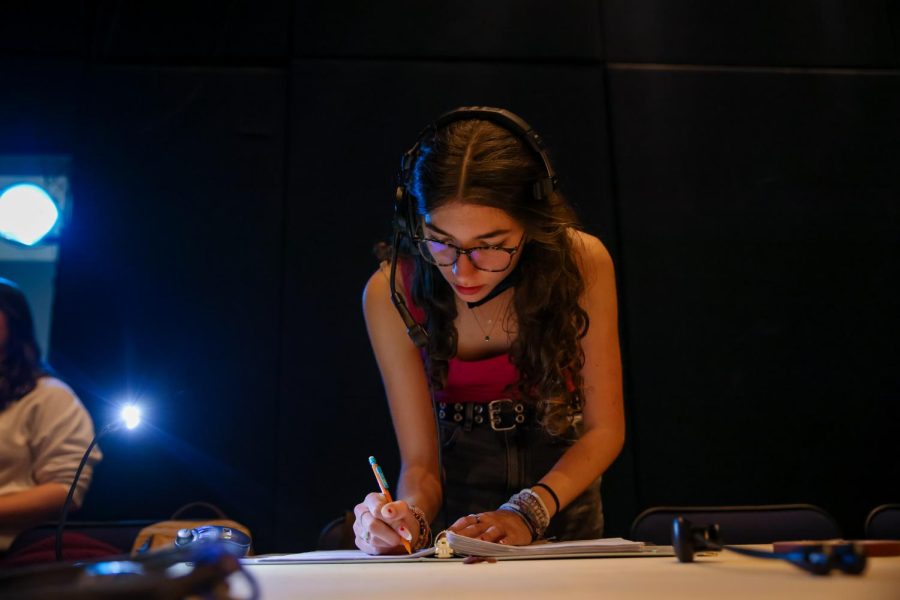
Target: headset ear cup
x=850 y=559
x=683 y=539
x=400 y=208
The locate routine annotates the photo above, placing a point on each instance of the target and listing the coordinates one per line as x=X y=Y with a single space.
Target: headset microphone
x=415 y=330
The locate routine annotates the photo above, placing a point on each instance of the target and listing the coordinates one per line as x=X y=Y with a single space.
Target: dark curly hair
x=482 y=163
x=20 y=359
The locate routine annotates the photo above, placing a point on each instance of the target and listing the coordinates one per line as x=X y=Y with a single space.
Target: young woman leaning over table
x=522 y=353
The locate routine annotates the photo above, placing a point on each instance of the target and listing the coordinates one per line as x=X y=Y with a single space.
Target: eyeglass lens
x=444 y=255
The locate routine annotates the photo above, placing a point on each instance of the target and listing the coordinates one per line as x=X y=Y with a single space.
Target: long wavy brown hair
x=479 y=162
x=20 y=360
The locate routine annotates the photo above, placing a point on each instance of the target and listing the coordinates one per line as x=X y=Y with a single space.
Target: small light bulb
x=131 y=415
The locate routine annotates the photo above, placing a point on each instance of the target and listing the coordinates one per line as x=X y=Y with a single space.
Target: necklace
x=491 y=323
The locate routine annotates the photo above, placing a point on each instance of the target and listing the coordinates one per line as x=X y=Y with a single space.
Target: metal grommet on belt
x=504 y=414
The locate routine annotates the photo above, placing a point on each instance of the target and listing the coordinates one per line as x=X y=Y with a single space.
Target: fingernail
x=404 y=532
x=502 y=541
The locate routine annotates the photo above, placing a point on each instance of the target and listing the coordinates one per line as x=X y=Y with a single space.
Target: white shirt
x=43 y=436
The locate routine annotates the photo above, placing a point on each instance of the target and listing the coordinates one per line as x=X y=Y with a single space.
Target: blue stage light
x=131 y=415
x=27 y=213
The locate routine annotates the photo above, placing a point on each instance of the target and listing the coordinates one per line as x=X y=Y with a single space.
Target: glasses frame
x=466 y=251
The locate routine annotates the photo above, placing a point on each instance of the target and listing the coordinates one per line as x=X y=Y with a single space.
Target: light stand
x=130 y=418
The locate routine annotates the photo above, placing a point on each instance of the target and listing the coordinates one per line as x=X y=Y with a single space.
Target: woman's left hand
x=500 y=526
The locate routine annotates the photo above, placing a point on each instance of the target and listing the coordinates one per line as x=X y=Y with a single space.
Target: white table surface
x=726 y=575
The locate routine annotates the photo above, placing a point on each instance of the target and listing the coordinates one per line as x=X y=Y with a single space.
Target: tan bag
x=162 y=534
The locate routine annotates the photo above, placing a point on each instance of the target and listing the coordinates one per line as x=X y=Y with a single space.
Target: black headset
x=818 y=559
x=404 y=206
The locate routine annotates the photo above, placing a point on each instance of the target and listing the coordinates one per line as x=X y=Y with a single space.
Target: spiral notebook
x=451 y=546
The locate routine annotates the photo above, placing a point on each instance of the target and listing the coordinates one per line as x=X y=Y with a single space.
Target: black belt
x=502 y=415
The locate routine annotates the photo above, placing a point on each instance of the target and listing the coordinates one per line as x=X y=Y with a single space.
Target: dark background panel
x=332 y=393
x=410 y=29
x=759 y=241
x=823 y=33
x=168 y=286
x=35 y=116
x=192 y=31
x=45 y=29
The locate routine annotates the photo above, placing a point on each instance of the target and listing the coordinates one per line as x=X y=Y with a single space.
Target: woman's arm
x=604 y=416
x=409 y=399
x=23 y=509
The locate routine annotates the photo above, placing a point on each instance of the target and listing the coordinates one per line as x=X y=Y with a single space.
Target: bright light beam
x=131 y=415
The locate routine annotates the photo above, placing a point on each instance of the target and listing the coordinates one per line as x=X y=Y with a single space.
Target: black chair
x=883 y=523
x=338 y=534
x=762 y=524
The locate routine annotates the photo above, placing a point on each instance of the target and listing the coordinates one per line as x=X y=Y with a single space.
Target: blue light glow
x=131 y=415
x=27 y=213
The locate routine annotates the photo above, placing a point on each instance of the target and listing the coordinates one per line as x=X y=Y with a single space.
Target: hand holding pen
x=383 y=526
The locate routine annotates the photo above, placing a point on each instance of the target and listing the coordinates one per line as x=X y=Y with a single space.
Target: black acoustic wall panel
x=168 y=286
x=191 y=32
x=508 y=29
x=826 y=33
x=44 y=29
x=759 y=223
x=343 y=159
x=38 y=111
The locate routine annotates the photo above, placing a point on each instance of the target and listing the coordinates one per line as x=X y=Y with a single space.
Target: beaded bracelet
x=532 y=509
x=424 y=538
x=536 y=509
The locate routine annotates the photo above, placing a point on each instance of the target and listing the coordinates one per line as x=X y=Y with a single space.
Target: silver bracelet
x=532 y=509
x=544 y=511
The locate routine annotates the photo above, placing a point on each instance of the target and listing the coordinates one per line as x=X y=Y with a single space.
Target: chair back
x=883 y=523
x=762 y=524
x=338 y=534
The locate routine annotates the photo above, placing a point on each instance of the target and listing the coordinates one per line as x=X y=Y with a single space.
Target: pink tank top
x=468 y=380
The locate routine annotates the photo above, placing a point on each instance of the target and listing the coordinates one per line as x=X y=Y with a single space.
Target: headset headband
x=509 y=121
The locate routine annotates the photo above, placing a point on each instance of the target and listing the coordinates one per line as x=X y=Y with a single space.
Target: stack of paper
x=474 y=547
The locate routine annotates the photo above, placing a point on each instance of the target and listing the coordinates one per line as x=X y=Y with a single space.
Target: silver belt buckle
x=494 y=414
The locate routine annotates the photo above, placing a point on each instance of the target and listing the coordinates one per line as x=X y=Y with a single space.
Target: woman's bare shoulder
x=378 y=287
x=591 y=254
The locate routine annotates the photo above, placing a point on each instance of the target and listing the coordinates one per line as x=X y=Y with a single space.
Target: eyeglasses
x=483 y=258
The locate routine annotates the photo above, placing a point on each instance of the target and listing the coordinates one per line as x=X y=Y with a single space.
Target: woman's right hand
x=381 y=527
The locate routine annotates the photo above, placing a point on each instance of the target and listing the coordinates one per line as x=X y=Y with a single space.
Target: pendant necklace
x=491 y=323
